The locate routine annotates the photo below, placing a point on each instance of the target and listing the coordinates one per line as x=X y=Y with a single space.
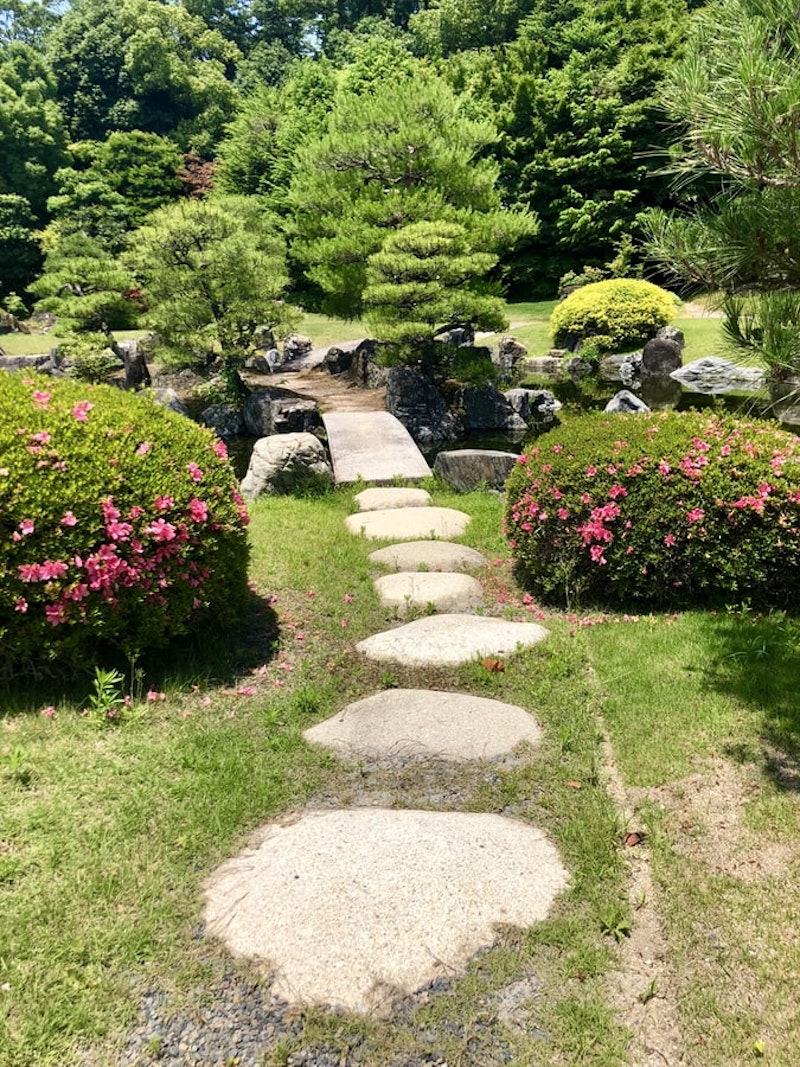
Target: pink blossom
x=26 y=527
x=119 y=531
x=311 y=594
x=596 y=552
x=586 y=498
x=43 y=437
x=669 y=540
x=617 y=490
x=21 y=604
x=300 y=636
x=144 y=448
x=195 y=472
x=81 y=410
x=153 y=696
x=55 y=613
x=591 y=471
x=40 y=399
x=161 y=530
x=557 y=448
x=344 y=623
x=29 y=572
x=348 y=598
x=725 y=450
x=286 y=666
x=562 y=513
x=198 y=510
x=695 y=515
x=52 y=568
x=135 y=512
x=48 y=712
x=68 y=519
x=220 y=449
x=162 y=503
x=246 y=690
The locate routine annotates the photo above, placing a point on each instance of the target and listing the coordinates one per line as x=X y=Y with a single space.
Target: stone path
x=354 y=907
x=372 y=446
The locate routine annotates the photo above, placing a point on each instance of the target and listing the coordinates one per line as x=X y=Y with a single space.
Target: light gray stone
x=409 y=590
x=469 y=468
x=428 y=556
x=168 y=398
x=385 y=497
x=408 y=724
x=626 y=403
x=372 y=446
x=715 y=375
x=270 y=411
x=447 y=640
x=285 y=462
x=353 y=908
x=408 y=524
x=226 y=420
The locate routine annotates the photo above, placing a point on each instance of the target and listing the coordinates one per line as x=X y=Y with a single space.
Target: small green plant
x=17 y=766
x=615 y=921
x=106 y=703
x=617 y=314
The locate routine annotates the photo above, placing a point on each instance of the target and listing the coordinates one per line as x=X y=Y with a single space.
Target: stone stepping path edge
x=353 y=907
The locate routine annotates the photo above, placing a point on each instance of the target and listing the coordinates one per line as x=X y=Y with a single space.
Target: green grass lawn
x=108 y=833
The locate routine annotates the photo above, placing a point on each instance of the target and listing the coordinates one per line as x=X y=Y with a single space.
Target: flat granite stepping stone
x=408 y=524
x=408 y=590
x=406 y=724
x=379 y=499
x=447 y=640
x=428 y=556
x=353 y=908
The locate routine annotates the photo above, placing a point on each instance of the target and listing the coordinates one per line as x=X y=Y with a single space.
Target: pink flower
x=21 y=604
x=348 y=598
x=161 y=503
x=40 y=399
x=286 y=666
x=68 y=519
x=344 y=623
x=29 y=572
x=617 y=490
x=55 y=613
x=52 y=568
x=144 y=448
x=725 y=450
x=695 y=515
x=43 y=437
x=161 y=530
x=221 y=449
x=81 y=410
x=153 y=696
x=557 y=448
x=246 y=690
x=311 y=594
x=669 y=540
x=300 y=636
x=26 y=527
x=48 y=712
x=195 y=472
x=591 y=471
x=562 y=513
x=198 y=510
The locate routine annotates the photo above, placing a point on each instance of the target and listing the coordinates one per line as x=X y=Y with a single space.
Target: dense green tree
x=212 y=271
x=20 y=255
x=143 y=64
x=27 y=21
x=407 y=152
x=32 y=135
x=444 y=27
x=425 y=279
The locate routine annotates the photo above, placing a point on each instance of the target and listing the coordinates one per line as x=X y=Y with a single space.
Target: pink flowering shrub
x=663 y=509
x=120 y=522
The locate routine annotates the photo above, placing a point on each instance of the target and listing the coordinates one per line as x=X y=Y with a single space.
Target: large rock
x=469 y=468
x=284 y=462
x=486 y=408
x=270 y=411
x=447 y=640
x=414 y=400
x=715 y=375
x=549 y=366
x=356 y=360
x=660 y=357
x=621 y=367
x=534 y=405
x=672 y=333
x=510 y=355
x=385 y=498
x=296 y=346
x=226 y=420
x=428 y=556
x=43 y=363
x=167 y=397
x=625 y=403
x=408 y=591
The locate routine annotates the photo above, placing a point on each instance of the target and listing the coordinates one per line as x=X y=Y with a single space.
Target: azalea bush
x=615 y=315
x=120 y=523
x=664 y=509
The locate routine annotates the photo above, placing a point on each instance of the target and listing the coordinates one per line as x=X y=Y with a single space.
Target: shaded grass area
x=703 y=717
x=108 y=834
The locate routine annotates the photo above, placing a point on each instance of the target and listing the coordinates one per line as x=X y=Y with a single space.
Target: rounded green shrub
x=120 y=523
x=668 y=509
x=615 y=314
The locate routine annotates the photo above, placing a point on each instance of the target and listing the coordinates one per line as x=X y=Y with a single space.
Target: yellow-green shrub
x=615 y=314
x=120 y=522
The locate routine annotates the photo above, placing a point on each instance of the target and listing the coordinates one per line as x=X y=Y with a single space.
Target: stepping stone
x=353 y=908
x=406 y=724
x=382 y=499
x=408 y=524
x=428 y=556
x=447 y=640
x=407 y=590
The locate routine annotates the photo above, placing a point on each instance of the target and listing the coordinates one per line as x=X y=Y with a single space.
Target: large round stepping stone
x=380 y=499
x=408 y=524
x=408 y=590
x=428 y=556
x=406 y=724
x=351 y=908
x=446 y=640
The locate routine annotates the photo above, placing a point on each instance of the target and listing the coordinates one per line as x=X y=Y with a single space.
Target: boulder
x=510 y=354
x=339 y=358
x=486 y=408
x=469 y=468
x=533 y=405
x=458 y=335
x=672 y=333
x=282 y=463
x=660 y=357
x=625 y=403
x=415 y=402
x=621 y=367
x=549 y=366
x=168 y=398
x=226 y=420
x=715 y=375
x=269 y=411
x=296 y=346
x=43 y=363
x=577 y=368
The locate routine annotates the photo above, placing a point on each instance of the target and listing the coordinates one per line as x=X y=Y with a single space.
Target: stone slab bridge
x=372 y=446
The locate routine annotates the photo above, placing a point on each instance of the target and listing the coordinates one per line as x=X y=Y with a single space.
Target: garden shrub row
x=667 y=509
x=120 y=523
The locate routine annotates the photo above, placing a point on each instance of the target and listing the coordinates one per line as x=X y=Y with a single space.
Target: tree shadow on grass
x=756 y=660
x=214 y=655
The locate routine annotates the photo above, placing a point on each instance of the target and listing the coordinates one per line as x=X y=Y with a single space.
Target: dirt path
x=331 y=392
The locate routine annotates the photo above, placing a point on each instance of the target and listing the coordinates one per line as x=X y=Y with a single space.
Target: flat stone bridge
x=372 y=446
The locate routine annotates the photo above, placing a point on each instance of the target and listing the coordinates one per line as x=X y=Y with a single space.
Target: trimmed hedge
x=120 y=522
x=668 y=509
x=615 y=315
